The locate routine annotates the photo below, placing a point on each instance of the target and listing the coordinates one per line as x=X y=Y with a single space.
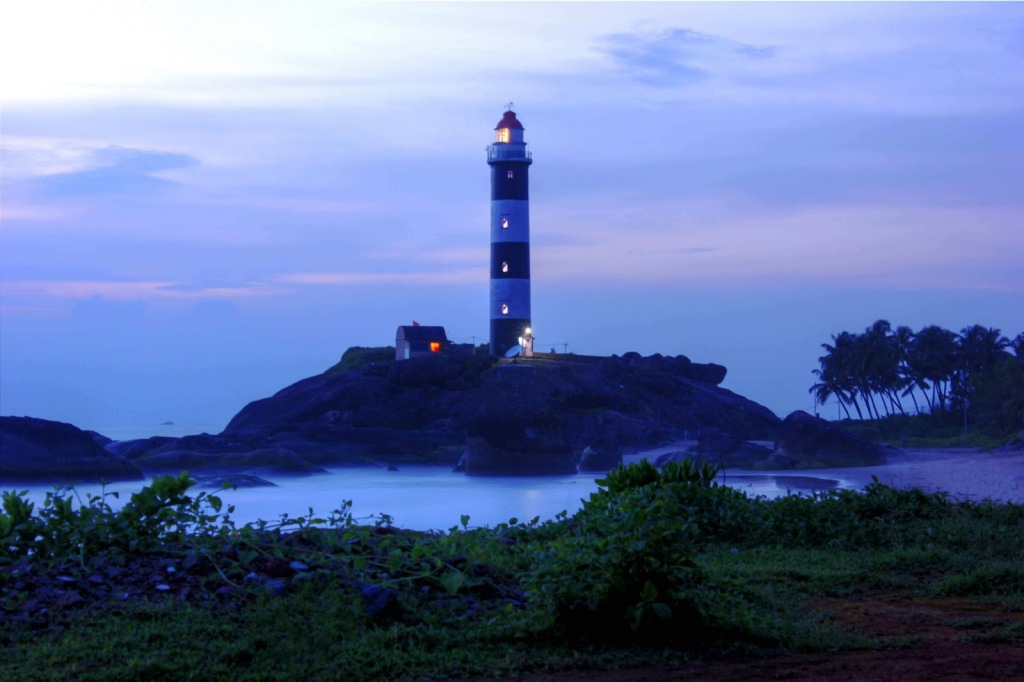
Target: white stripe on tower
x=510 y=234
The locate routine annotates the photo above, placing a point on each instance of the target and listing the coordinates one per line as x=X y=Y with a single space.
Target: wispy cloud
x=115 y=170
x=676 y=56
x=135 y=291
x=446 y=277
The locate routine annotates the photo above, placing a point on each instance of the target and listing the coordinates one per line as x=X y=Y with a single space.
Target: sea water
x=426 y=497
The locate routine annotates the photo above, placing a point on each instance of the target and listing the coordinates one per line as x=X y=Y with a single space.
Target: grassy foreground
x=657 y=568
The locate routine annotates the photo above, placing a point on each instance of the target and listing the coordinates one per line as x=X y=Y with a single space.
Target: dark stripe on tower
x=516 y=255
x=507 y=330
x=504 y=187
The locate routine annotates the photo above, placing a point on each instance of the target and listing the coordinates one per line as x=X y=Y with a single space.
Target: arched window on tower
x=504 y=308
x=504 y=266
x=510 y=175
x=504 y=222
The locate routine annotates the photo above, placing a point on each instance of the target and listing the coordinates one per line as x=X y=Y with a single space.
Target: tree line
x=885 y=371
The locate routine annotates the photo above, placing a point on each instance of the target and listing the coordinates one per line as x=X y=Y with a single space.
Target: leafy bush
x=624 y=569
x=627 y=565
x=159 y=513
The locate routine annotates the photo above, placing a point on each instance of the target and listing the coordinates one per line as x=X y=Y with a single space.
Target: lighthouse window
x=504 y=308
x=504 y=222
x=502 y=135
x=510 y=175
x=504 y=266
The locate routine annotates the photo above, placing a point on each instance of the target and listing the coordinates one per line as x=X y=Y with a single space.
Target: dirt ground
x=928 y=639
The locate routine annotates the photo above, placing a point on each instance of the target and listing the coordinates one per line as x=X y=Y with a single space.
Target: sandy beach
x=964 y=473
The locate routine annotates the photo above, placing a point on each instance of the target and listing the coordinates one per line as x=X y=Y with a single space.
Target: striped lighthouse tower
x=510 y=234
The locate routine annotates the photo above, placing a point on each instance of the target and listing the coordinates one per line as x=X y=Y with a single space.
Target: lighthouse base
x=505 y=333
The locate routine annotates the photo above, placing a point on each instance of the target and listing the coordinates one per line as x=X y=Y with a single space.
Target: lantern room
x=509 y=130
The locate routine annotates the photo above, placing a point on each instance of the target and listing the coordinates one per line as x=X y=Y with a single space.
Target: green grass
x=657 y=568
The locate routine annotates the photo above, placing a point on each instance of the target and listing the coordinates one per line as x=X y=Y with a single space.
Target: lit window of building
x=504 y=308
x=504 y=266
x=435 y=346
x=510 y=175
x=504 y=222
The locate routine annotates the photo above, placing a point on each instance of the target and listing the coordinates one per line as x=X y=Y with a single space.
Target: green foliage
x=358 y=357
x=624 y=569
x=157 y=514
x=657 y=565
x=643 y=473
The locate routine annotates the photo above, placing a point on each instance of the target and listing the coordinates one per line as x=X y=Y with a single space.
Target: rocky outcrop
x=525 y=416
x=55 y=452
x=596 y=461
x=678 y=365
x=723 y=450
x=806 y=442
x=535 y=414
x=233 y=481
x=207 y=453
x=527 y=443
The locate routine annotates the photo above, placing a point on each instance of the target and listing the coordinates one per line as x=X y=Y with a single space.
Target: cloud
x=116 y=170
x=446 y=277
x=676 y=56
x=135 y=291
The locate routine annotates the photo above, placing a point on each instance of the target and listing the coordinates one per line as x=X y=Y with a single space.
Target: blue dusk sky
x=204 y=202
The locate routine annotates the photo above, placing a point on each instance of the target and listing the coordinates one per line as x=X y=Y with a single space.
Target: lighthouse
x=510 y=235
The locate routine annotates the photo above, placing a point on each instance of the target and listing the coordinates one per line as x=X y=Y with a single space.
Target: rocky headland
x=481 y=415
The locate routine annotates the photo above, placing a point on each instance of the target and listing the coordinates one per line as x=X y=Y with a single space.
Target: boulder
x=264 y=460
x=235 y=480
x=729 y=452
x=55 y=452
x=599 y=460
x=521 y=443
x=132 y=449
x=806 y=442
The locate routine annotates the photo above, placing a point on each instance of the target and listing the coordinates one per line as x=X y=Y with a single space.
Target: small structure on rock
x=414 y=340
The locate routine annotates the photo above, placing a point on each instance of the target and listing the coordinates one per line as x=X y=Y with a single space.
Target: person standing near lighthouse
x=510 y=234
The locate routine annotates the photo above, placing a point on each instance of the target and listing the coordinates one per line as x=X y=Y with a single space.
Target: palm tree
x=981 y=349
x=933 y=358
x=903 y=340
x=834 y=375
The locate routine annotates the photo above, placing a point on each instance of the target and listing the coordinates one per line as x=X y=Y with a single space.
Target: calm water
x=433 y=498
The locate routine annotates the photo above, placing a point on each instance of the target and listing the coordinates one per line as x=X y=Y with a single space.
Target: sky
x=204 y=202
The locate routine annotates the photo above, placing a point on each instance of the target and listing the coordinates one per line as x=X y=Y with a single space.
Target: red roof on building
x=509 y=120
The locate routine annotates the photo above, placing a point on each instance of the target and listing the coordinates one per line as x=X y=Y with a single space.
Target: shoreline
x=965 y=474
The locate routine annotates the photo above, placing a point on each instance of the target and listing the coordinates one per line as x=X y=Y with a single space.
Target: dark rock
x=520 y=444
x=709 y=373
x=379 y=601
x=269 y=460
x=729 y=452
x=438 y=409
x=675 y=456
x=592 y=460
x=55 y=452
x=237 y=480
x=807 y=442
x=132 y=449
